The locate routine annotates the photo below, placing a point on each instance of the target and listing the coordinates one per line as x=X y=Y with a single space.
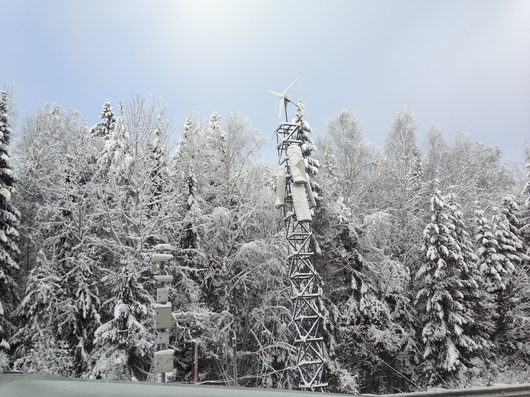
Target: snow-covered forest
x=422 y=251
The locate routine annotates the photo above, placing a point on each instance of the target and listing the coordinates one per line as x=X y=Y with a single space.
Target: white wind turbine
x=283 y=100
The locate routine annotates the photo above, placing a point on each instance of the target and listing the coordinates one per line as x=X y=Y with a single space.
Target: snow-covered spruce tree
x=217 y=189
x=512 y=299
x=478 y=301
x=190 y=237
x=115 y=159
x=525 y=215
x=107 y=124
x=187 y=150
x=416 y=171
x=41 y=347
x=512 y=213
x=158 y=158
x=123 y=345
x=440 y=302
x=486 y=244
x=508 y=245
x=184 y=164
x=215 y=122
x=521 y=277
x=9 y=218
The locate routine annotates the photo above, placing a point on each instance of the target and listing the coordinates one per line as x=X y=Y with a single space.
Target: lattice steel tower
x=295 y=197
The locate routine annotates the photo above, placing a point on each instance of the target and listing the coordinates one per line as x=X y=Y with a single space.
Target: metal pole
x=234 y=357
x=163 y=355
x=194 y=362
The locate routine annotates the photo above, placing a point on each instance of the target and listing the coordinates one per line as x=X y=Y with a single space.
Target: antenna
x=283 y=100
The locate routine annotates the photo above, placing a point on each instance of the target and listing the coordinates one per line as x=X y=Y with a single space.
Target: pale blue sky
x=462 y=65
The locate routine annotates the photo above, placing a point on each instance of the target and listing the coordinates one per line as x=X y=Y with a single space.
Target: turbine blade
x=275 y=93
x=280 y=110
x=291 y=86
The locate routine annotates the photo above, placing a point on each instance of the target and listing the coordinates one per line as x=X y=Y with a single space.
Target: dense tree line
x=423 y=255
